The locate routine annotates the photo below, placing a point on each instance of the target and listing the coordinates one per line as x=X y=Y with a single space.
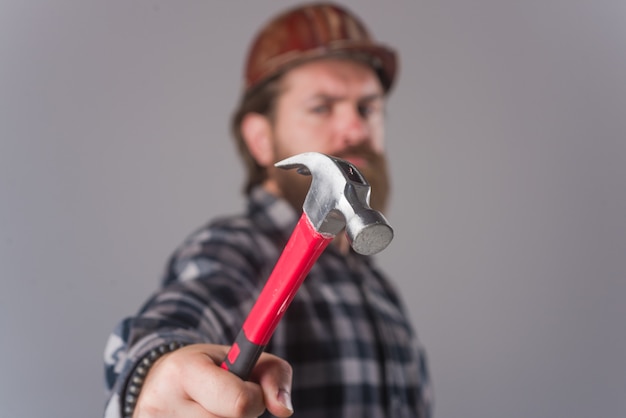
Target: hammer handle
x=302 y=250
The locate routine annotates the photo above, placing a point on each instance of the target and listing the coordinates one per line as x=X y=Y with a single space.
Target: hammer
x=338 y=198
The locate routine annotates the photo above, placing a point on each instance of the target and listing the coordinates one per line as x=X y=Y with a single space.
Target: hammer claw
x=338 y=187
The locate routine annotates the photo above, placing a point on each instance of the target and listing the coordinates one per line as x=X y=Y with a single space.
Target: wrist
x=138 y=376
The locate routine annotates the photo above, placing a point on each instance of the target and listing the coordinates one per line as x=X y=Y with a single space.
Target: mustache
x=364 y=151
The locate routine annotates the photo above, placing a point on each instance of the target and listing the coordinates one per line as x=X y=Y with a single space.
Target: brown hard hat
x=315 y=31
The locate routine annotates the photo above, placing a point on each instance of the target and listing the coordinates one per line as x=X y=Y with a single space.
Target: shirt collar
x=271 y=213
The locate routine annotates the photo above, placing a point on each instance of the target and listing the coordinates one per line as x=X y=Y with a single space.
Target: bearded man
x=315 y=80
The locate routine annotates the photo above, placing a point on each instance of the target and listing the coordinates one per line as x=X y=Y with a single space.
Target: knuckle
x=283 y=367
x=247 y=404
x=243 y=404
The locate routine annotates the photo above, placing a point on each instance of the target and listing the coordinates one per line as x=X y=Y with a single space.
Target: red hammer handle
x=302 y=250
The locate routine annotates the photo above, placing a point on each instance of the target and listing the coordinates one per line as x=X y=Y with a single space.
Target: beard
x=294 y=186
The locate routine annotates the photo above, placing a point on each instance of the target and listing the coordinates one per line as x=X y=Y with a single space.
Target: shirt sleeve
x=206 y=292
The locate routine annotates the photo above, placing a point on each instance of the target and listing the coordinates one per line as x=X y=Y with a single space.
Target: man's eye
x=321 y=109
x=365 y=110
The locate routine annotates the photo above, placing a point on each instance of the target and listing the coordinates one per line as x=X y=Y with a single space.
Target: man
x=315 y=81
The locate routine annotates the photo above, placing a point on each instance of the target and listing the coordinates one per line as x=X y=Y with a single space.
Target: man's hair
x=261 y=100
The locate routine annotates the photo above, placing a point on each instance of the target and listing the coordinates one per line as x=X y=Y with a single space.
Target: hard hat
x=314 y=31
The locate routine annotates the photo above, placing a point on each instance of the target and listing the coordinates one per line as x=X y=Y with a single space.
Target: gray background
x=508 y=134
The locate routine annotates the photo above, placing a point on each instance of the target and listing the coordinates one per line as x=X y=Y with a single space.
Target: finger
x=274 y=375
x=217 y=390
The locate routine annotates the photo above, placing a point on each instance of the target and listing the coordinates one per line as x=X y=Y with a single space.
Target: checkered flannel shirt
x=346 y=334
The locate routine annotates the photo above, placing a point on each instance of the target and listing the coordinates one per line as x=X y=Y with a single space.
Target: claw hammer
x=338 y=198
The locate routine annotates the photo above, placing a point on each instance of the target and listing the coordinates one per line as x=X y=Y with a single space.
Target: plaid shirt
x=345 y=334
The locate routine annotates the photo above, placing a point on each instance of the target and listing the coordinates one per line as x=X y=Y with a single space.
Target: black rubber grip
x=242 y=356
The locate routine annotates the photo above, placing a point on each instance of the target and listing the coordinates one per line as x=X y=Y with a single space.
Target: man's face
x=335 y=107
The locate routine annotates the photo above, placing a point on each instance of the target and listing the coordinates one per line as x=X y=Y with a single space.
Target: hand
x=190 y=383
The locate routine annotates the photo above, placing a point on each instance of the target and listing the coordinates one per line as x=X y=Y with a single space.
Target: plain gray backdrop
x=507 y=133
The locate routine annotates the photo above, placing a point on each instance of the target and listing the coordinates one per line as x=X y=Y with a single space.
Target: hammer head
x=339 y=197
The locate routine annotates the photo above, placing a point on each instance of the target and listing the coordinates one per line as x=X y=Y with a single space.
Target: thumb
x=274 y=376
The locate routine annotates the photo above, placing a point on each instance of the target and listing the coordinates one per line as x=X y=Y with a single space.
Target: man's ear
x=257 y=134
